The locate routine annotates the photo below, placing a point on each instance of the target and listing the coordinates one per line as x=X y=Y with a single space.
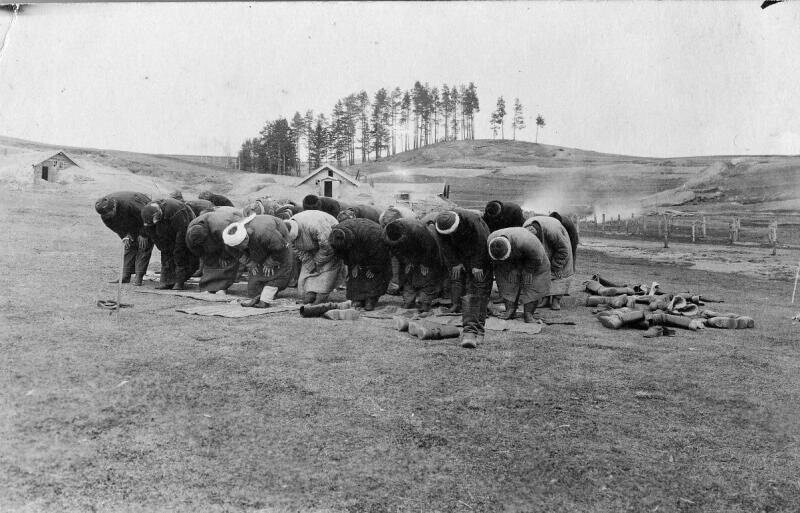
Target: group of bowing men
x=316 y=246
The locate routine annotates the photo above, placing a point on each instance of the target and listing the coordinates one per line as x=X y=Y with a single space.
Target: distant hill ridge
x=538 y=176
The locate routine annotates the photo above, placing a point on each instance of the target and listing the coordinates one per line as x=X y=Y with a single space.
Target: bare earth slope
x=545 y=177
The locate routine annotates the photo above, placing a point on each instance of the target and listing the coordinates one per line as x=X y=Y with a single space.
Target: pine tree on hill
x=539 y=123
x=518 y=121
x=498 y=117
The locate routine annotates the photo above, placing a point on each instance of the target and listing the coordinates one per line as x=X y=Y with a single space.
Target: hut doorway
x=328 y=189
x=45 y=172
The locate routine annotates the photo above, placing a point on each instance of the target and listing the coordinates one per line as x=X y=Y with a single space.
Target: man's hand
x=269 y=272
x=143 y=242
x=455 y=272
x=527 y=278
x=127 y=241
x=370 y=274
x=354 y=271
x=423 y=270
x=409 y=268
x=478 y=273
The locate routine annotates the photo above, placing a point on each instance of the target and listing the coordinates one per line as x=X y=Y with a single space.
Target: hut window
x=330 y=173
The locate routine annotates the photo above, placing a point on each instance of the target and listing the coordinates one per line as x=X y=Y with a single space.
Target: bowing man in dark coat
x=412 y=242
x=502 y=214
x=327 y=205
x=360 y=212
x=360 y=245
x=464 y=234
x=217 y=199
x=220 y=266
x=262 y=245
x=122 y=213
x=166 y=221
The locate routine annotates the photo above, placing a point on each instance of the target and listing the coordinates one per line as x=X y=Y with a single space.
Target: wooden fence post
x=773 y=235
x=659 y=227
x=644 y=226
x=704 y=227
x=694 y=230
x=603 y=226
x=666 y=230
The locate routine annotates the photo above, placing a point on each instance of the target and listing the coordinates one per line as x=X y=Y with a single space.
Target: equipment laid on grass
x=110 y=304
x=657 y=311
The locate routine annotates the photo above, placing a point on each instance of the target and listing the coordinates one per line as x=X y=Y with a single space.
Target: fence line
x=756 y=229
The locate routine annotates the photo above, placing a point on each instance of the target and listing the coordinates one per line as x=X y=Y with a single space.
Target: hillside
x=545 y=177
x=540 y=177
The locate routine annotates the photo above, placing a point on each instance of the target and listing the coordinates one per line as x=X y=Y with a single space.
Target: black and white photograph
x=367 y=257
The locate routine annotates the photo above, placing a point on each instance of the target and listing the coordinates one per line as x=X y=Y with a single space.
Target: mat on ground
x=235 y=310
x=219 y=297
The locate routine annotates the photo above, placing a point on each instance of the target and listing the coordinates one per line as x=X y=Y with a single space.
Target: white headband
x=236 y=232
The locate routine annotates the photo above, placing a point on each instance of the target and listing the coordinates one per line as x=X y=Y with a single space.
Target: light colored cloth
x=235 y=310
x=557 y=245
x=526 y=271
x=320 y=270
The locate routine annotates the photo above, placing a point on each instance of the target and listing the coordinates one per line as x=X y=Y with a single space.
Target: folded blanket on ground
x=194 y=294
x=235 y=310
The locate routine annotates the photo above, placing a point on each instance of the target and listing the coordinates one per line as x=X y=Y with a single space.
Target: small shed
x=406 y=192
x=329 y=181
x=47 y=168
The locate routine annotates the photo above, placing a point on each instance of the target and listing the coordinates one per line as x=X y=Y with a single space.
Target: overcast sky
x=644 y=78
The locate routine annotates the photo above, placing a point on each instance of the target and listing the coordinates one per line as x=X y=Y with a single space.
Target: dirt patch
x=746 y=260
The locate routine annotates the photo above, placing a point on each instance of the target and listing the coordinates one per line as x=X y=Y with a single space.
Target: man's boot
x=409 y=298
x=469 y=320
x=555 y=303
x=180 y=286
x=676 y=321
x=358 y=304
x=400 y=323
x=321 y=298
x=370 y=304
x=483 y=310
x=456 y=296
x=730 y=323
x=435 y=331
x=164 y=286
x=414 y=328
x=455 y=307
x=309 y=298
x=316 y=310
x=616 y=302
x=125 y=279
x=511 y=310
x=594 y=287
x=137 y=280
x=529 y=309
x=350 y=314
x=616 y=319
x=606 y=282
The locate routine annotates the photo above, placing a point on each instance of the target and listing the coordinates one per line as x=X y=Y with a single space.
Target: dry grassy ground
x=161 y=410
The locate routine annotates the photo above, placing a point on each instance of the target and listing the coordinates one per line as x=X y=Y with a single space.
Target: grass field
x=159 y=410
